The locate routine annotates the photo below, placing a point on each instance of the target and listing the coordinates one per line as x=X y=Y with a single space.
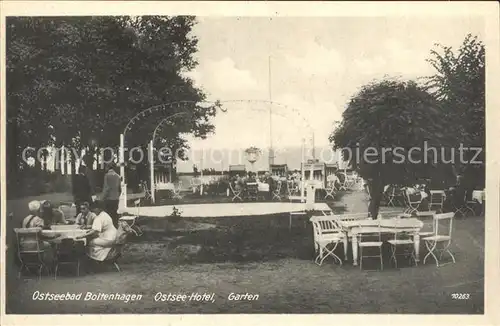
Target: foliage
x=459 y=84
x=77 y=81
x=388 y=118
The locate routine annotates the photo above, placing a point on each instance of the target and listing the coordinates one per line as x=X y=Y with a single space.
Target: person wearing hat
x=33 y=220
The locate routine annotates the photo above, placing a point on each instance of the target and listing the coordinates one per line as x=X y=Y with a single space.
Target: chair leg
x=55 y=271
x=360 y=258
x=381 y=260
x=78 y=268
x=393 y=256
x=431 y=251
x=116 y=266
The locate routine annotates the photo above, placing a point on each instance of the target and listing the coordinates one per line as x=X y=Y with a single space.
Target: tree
x=77 y=81
x=386 y=122
x=459 y=84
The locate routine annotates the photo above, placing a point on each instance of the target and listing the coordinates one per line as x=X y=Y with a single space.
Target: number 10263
x=460 y=296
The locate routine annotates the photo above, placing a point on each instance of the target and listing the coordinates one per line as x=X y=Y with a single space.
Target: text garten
x=242 y=297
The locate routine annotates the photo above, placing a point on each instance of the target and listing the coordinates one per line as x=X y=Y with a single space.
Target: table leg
x=346 y=243
x=416 y=240
x=354 y=250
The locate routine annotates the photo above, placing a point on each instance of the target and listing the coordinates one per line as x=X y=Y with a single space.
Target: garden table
x=392 y=225
x=67 y=232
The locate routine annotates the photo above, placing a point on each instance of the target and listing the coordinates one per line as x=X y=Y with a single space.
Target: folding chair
x=330 y=190
x=236 y=193
x=404 y=240
x=124 y=231
x=177 y=190
x=391 y=196
x=147 y=192
x=470 y=203
x=277 y=191
x=69 y=252
x=445 y=239
x=30 y=250
x=343 y=184
x=326 y=233
x=437 y=199
x=412 y=204
x=371 y=239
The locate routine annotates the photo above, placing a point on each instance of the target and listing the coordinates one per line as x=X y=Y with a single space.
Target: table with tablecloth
x=57 y=233
x=391 y=225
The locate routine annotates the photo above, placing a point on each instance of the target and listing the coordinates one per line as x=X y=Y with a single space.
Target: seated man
x=86 y=217
x=102 y=236
x=51 y=215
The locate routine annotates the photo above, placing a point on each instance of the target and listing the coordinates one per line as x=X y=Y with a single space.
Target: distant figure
x=85 y=217
x=82 y=192
x=51 y=215
x=33 y=220
x=111 y=193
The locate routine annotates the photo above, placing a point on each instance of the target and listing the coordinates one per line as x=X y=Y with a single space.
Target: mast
x=271 y=150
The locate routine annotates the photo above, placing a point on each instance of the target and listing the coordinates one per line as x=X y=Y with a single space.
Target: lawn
x=260 y=255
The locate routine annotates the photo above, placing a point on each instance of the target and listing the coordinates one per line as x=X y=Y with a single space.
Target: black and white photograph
x=178 y=163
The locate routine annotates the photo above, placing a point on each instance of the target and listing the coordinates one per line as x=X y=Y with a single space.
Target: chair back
x=443 y=224
x=324 y=225
x=28 y=240
x=370 y=234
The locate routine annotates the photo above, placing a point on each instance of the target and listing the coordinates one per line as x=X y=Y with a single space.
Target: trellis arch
x=284 y=112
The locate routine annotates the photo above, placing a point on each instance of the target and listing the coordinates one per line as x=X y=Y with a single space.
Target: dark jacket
x=112 y=186
x=81 y=188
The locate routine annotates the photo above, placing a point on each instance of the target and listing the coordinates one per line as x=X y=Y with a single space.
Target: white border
x=488 y=10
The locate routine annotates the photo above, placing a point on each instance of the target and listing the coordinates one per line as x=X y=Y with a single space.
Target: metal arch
x=178 y=103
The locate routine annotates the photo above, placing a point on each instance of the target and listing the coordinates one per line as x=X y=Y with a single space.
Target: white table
x=479 y=196
x=164 y=186
x=353 y=228
x=67 y=234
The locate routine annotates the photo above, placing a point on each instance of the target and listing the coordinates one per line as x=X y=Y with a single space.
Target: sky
x=316 y=66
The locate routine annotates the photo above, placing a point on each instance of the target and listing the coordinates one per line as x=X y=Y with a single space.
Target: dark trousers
x=111 y=207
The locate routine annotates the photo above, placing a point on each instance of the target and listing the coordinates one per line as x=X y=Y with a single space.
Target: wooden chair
x=326 y=233
x=30 y=250
x=441 y=238
x=403 y=240
x=235 y=192
x=277 y=190
x=370 y=240
x=69 y=252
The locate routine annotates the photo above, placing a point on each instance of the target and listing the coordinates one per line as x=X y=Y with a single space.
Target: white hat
x=34 y=206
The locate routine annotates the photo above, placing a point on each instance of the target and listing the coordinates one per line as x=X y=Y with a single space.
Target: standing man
x=111 y=193
x=82 y=192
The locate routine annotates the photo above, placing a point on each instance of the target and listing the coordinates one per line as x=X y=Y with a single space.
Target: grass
x=260 y=255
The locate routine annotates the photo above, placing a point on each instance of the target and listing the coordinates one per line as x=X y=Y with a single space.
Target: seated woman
x=102 y=236
x=86 y=217
x=51 y=215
